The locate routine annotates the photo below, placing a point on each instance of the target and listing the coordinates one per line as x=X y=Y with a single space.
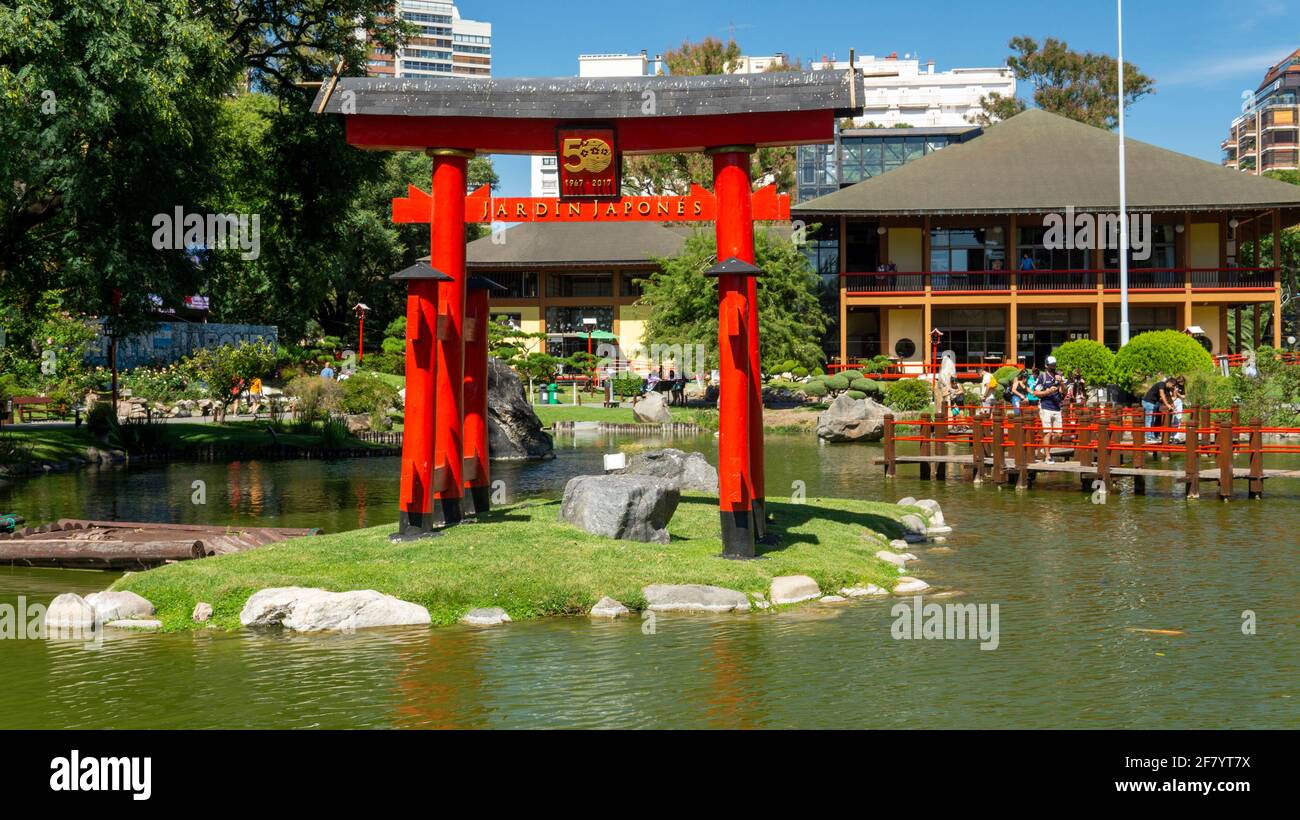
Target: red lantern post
x=478 y=480
x=414 y=502
x=360 y=310
x=450 y=166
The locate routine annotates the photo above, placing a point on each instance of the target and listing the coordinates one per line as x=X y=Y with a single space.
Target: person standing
x=327 y=372
x=1158 y=401
x=1050 y=391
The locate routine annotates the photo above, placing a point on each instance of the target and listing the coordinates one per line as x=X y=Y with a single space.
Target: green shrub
x=818 y=372
x=317 y=397
x=1005 y=375
x=856 y=394
x=364 y=393
x=1209 y=389
x=1094 y=361
x=800 y=372
x=908 y=395
x=100 y=420
x=393 y=364
x=876 y=364
x=334 y=432
x=852 y=375
x=868 y=387
x=628 y=385
x=817 y=389
x=1159 y=353
x=837 y=384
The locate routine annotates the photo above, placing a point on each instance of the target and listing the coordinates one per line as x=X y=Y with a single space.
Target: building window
x=568 y=320
x=630 y=284
x=905 y=348
x=1031 y=243
x=975 y=336
x=579 y=284
x=967 y=249
x=518 y=285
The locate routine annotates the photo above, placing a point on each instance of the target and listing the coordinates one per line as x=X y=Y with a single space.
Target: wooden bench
x=25 y=406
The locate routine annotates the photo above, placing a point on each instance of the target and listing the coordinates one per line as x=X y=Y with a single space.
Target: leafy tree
x=1159 y=353
x=1094 y=361
x=1083 y=86
x=227 y=370
x=684 y=302
x=673 y=174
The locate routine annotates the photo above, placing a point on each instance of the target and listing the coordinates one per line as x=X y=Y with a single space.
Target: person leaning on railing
x=1159 y=400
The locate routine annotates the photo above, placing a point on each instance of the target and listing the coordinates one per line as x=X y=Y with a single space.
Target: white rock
x=694 y=598
x=791 y=589
x=70 y=611
x=914 y=524
x=609 y=608
x=907 y=502
x=892 y=558
x=833 y=599
x=202 y=613
x=898 y=544
x=315 y=610
x=142 y=624
x=910 y=586
x=863 y=592
x=938 y=532
x=486 y=616
x=114 y=606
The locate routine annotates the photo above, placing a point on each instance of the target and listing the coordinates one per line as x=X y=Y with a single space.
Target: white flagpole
x=1123 y=194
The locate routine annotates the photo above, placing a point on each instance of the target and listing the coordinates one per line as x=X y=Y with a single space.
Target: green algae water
x=1075 y=582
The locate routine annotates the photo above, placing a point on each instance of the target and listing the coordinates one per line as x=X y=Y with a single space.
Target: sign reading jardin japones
x=589 y=163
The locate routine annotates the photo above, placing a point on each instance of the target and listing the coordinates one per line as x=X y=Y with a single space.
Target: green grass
x=41 y=445
x=522 y=558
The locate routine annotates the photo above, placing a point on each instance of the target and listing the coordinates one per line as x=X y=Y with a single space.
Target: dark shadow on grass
x=786 y=517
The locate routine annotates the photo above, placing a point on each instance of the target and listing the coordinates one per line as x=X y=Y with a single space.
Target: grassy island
x=523 y=559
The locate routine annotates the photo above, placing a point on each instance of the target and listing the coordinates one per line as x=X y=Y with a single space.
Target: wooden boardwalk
x=1096 y=444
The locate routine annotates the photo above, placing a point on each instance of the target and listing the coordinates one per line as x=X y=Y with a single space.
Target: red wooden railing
x=1057 y=281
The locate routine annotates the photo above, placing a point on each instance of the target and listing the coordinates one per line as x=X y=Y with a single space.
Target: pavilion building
x=940 y=243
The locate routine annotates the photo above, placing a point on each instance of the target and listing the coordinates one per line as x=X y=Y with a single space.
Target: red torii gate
x=589 y=124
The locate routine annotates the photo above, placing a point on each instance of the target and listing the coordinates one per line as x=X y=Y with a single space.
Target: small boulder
x=114 y=606
x=202 y=613
x=486 y=616
x=833 y=599
x=70 y=611
x=907 y=501
x=898 y=544
x=870 y=590
x=791 y=589
x=688 y=471
x=849 y=419
x=915 y=524
x=910 y=586
x=357 y=423
x=609 y=608
x=629 y=508
x=892 y=558
x=694 y=598
x=140 y=624
x=652 y=410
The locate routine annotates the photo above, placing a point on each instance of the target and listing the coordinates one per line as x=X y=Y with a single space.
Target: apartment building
x=447 y=45
x=1264 y=137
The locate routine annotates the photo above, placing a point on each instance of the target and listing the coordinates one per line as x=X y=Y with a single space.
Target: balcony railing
x=1057 y=281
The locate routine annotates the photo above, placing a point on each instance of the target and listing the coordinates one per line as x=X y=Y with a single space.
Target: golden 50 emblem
x=592 y=155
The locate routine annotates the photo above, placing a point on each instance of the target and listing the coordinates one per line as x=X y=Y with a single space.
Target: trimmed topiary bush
x=837 y=384
x=1159 y=353
x=818 y=390
x=799 y=372
x=908 y=395
x=852 y=375
x=1005 y=375
x=856 y=394
x=818 y=372
x=869 y=387
x=1093 y=359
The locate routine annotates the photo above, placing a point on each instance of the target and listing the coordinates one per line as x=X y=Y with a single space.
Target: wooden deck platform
x=1074 y=467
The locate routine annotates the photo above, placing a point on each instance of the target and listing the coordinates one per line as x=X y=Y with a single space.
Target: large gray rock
x=687 y=471
x=514 y=431
x=652 y=409
x=694 y=598
x=849 y=420
x=115 y=606
x=315 y=610
x=486 y=616
x=626 y=507
x=70 y=611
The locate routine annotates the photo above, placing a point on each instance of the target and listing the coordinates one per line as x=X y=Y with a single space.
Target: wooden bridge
x=1098 y=444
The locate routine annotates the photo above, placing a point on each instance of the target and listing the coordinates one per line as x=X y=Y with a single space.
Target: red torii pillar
x=415 y=518
x=447 y=241
x=478 y=479
x=735 y=238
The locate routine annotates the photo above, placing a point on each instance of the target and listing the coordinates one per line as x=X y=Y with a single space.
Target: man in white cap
x=1050 y=393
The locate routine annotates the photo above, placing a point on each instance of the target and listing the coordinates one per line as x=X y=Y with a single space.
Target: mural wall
x=169 y=341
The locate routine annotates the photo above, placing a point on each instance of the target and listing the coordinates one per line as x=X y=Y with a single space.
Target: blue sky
x=1202 y=53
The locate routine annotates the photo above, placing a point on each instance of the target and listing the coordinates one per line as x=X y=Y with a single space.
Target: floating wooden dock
x=125 y=545
x=1101 y=444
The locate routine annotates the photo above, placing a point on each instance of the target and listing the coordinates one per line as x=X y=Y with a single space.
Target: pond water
x=1073 y=582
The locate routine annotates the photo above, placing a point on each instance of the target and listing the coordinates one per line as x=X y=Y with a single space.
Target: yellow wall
x=530 y=321
x=631 y=328
x=905 y=249
x=1204 y=245
x=1207 y=316
x=906 y=323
